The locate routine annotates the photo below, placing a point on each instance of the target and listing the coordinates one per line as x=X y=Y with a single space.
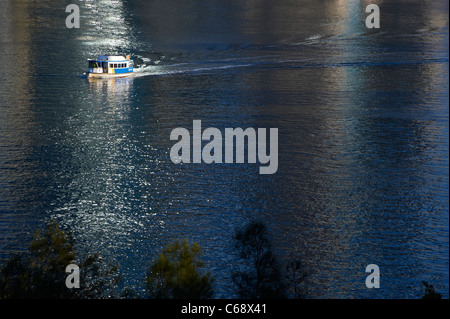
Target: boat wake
x=314 y=51
x=182 y=68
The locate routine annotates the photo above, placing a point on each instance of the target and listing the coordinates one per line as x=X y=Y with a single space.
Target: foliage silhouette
x=430 y=293
x=41 y=272
x=260 y=277
x=175 y=274
x=294 y=278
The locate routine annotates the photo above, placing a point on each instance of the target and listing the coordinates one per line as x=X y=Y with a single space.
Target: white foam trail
x=314 y=37
x=155 y=70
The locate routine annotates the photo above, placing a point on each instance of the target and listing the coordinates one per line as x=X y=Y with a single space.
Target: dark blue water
x=362 y=116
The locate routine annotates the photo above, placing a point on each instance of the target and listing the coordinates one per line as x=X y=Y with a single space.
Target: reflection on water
x=363 y=135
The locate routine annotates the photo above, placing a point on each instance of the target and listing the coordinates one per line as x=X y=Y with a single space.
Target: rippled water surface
x=362 y=116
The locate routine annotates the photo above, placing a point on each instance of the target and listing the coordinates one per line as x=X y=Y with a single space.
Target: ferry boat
x=110 y=66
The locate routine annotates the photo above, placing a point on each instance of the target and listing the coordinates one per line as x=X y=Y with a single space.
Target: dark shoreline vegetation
x=177 y=273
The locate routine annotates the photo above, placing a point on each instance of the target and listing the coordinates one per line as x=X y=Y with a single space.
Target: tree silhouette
x=260 y=277
x=294 y=278
x=175 y=274
x=430 y=293
x=41 y=272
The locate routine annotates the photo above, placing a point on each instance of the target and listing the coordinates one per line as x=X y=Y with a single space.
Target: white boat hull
x=108 y=75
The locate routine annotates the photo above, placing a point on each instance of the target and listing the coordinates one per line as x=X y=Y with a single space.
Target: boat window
x=94 y=64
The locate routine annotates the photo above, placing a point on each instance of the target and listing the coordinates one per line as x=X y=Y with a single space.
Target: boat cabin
x=110 y=65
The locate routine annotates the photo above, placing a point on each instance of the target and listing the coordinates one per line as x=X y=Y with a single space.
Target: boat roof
x=110 y=58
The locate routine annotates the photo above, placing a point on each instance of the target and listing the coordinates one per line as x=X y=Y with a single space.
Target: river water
x=363 y=142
